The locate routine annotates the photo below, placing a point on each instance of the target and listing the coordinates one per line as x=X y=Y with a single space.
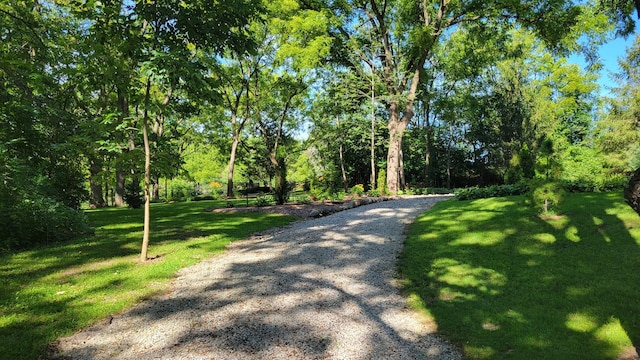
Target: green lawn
x=54 y=290
x=504 y=283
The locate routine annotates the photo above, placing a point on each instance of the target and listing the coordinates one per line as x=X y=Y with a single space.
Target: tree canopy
x=108 y=103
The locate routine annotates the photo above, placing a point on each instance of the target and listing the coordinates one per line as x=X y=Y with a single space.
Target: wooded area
x=122 y=102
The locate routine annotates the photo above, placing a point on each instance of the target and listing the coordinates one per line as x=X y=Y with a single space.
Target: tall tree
x=407 y=32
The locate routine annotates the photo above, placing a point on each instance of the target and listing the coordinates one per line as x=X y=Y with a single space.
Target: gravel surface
x=317 y=289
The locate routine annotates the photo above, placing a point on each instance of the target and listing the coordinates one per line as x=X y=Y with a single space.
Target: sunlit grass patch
x=503 y=282
x=52 y=291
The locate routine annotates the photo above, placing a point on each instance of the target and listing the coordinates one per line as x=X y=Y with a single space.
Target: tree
x=160 y=47
x=42 y=182
x=406 y=34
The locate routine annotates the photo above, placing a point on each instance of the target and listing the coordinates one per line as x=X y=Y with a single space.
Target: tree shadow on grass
x=40 y=294
x=513 y=285
x=306 y=291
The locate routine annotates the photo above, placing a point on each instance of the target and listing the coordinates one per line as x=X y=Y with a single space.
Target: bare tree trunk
x=449 y=156
x=427 y=159
x=396 y=128
x=403 y=182
x=156 y=189
x=96 y=199
x=119 y=192
x=340 y=150
x=123 y=107
x=372 y=180
x=344 y=173
x=234 y=151
x=147 y=176
x=232 y=162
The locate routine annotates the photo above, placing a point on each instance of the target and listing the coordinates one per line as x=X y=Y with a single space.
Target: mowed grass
x=55 y=290
x=503 y=283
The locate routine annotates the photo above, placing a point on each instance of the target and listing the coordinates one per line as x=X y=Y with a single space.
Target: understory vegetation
x=503 y=282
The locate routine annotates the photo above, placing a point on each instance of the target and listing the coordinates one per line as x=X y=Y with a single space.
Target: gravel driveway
x=318 y=289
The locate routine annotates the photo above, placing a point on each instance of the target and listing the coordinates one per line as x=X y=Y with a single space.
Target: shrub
x=262 y=201
x=436 y=191
x=546 y=195
x=491 y=191
x=40 y=221
x=133 y=195
x=357 y=189
x=181 y=191
x=374 y=193
x=382 y=182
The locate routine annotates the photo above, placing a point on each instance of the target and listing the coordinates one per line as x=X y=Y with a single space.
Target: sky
x=609 y=55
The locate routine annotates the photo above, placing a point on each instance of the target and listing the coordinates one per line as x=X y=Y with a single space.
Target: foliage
x=133 y=196
x=382 y=182
x=357 y=189
x=282 y=186
x=262 y=201
x=501 y=282
x=618 y=130
x=374 y=193
x=55 y=290
x=583 y=170
x=39 y=221
x=545 y=195
x=492 y=191
x=521 y=167
x=430 y=191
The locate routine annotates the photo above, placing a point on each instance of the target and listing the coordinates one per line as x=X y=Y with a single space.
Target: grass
x=505 y=283
x=55 y=290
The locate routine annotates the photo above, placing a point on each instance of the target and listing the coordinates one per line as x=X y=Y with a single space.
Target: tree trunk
x=449 y=156
x=403 y=181
x=232 y=162
x=147 y=176
x=119 y=193
x=632 y=191
x=96 y=199
x=344 y=173
x=282 y=187
x=427 y=159
x=373 y=132
x=123 y=107
x=156 y=189
x=340 y=152
x=396 y=128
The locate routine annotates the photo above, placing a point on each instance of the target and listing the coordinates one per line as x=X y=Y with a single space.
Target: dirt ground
x=300 y=211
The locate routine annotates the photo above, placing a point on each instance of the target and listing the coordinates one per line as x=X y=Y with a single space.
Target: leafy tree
x=407 y=33
x=618 y=132
x=41 y=184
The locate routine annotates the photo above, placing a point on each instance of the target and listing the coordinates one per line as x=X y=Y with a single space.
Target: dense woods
x=125 y=102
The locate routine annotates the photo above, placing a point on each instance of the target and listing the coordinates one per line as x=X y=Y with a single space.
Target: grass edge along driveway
x=505 y=283
x=52 y=291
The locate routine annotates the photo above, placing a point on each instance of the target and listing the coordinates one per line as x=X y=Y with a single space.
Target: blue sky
x=609 y=55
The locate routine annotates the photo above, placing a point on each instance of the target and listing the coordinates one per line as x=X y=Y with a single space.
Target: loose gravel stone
x=318 y=289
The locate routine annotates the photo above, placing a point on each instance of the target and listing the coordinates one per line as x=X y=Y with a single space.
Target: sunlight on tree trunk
x=147 y=176
x=232 y=157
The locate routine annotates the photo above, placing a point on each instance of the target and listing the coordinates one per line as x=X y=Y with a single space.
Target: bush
x=133 y=195
x=382 y=182
x=181 y=190
x=262 y=201
x=546 y=195
x=41 y=221
x=357 y=189
x=603 y=184
x=373 y=193
x=492 y=191
x=438 y=191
